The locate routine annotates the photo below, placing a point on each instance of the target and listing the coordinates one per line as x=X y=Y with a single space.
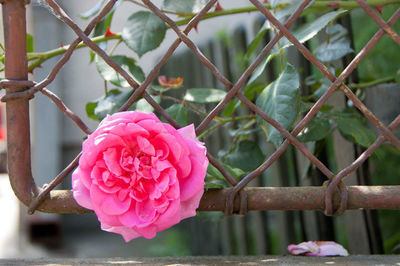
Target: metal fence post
x=19 y=154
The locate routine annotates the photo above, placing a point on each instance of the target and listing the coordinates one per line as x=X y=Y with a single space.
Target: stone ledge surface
x=215 y=260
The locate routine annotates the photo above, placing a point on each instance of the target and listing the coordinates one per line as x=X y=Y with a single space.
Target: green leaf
x=160 y=88
x=325 y=84
x=250 y=92
x=281 y=101
x=231 y=107
x=143 y=106
x=184 y=6
x=253 y=89
x=260 y=69
x=128 y=64
x=337 y=46
x=317 y=129
x=107 y=104
x=235 y=172
x=90 y=106
x=247 y=156
x=354 y=130
x=29 y=43
x=214 y=179
x=309 y=30
x=204 y=95
x=179 y=113
x=93 y=11
x=143 y=32
x=327 y=52
x=256 y=41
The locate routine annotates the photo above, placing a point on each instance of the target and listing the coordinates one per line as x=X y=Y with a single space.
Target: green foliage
x=128 y=64
x=337 y=45
x=281 y=101
x=250 y=93
x=29 y=43
x=184 y=6
x=143 y=106
x=109 y=104
x=214 y=178
x=353 y=129
x=317 y=129
x=93 y=11
x=247 y=156
x=143 y=32
x=204 y=95
x=179 y=113
x=260 y=68
x=281 y=15
x=308 y=30
x=382 y=60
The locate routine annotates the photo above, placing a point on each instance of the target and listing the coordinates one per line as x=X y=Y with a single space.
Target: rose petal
x=80 y=192
x=194 y=182
x=189 y=207
x=126 y=117
x=170 y=217
x=188 y=132
x=127 y=233
x=83 y=175
x=330 y=248
x=145 y=212
x=175 y=150
x=304 y=247
x=153 y=127
x=92 y=147
x=145 y=146
x=318 y=249
x=111 y=158
x=109 y=204
x=148 y=232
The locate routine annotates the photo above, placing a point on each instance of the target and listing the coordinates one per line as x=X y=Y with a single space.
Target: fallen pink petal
x=318 y=249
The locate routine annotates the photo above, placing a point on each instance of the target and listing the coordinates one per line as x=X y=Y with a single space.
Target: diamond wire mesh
x=335 y=181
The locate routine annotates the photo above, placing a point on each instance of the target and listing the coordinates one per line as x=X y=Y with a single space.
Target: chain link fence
x=334 y=197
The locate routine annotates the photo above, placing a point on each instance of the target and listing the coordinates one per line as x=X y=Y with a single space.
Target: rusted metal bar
x=305 y=198
x=264 y=198
x=16 y=68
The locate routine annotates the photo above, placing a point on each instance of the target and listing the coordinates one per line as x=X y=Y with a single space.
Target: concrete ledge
x=216 y=260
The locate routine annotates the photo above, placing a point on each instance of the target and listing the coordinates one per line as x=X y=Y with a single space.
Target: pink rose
x=139 y=175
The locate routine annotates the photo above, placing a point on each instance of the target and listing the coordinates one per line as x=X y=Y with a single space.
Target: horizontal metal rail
x=265 y=198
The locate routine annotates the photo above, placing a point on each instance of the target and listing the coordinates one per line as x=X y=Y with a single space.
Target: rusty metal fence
x=333 y=198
